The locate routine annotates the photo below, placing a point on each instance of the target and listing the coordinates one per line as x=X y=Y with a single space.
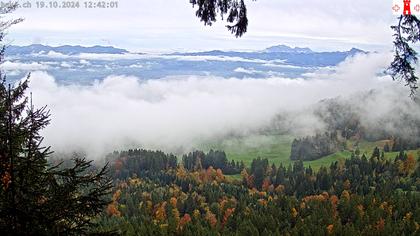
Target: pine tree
x=386 y=147
x=376 y=153
x=35 y=197
x=259 y=176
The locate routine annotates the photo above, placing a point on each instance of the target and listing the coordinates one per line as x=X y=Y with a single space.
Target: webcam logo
x=406 y=7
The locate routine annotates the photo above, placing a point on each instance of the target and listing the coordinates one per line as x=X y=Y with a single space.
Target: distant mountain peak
x=356 y=50
x=287 y=49
x=65 y=49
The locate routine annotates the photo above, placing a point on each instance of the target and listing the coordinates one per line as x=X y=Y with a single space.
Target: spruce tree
x=386 y=147
x=376 y=152
x=406 y=33
x=35 y=197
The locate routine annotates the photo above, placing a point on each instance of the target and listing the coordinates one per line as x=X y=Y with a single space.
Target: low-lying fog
x=177 y=114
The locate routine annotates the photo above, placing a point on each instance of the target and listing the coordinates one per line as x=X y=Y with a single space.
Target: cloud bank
x=175 y=114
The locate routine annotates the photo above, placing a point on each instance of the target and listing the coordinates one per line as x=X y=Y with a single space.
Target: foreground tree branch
x=402 y=68
x=235 y=10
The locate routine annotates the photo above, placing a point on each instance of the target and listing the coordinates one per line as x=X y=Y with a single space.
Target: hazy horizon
x=172 y=26
x=179 y=101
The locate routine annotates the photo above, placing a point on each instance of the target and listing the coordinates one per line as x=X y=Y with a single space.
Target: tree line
x=359 y=196
x=217 y=159
x=315 y=147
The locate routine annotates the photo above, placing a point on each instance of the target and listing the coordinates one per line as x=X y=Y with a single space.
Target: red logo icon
x=407 y=7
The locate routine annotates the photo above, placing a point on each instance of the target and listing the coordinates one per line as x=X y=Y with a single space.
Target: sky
x=171 y=25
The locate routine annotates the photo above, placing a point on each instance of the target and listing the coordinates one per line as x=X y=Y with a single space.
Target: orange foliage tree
x=226 y=216
x=112 y=210
x=184 y=220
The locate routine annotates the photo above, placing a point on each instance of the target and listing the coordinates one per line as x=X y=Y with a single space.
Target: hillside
x=277 y=149
x=356 y=197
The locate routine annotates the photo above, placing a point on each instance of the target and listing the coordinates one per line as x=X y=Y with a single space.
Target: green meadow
x=276 y=148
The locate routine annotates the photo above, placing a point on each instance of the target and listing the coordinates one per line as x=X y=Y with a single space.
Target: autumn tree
x=410 y=164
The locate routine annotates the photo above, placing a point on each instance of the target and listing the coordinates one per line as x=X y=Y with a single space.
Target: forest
x=360 y=196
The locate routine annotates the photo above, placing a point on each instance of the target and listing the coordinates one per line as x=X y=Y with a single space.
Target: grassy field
x=276 y=148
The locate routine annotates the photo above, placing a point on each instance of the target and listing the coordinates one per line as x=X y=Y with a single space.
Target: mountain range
x=77 y=49
x=65 y=49
x=79 y=64
x=291 y=56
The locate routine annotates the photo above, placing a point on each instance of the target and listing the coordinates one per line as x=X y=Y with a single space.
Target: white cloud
x=136 y=66
x=247 y=71
x=281 y=66
x=84 y=62
x=213 y=58
x=251 y=71
x=52 y=54
x=180 y=112
x=20 y=66
x=84 y=57
x=66 y=64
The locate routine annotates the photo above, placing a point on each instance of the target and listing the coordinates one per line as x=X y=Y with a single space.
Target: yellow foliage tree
x=173 y=201
x=347 y=185
x=361 y=210
x=345 y=195
x=196 y=214
x=160 y=212
x=176 y=215
x=294 y=212
x=116 y=195
x=330 y=229
x=280 y=189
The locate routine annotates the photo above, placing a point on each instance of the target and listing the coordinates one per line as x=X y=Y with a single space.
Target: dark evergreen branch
x=403 y=66
x=236 y=12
